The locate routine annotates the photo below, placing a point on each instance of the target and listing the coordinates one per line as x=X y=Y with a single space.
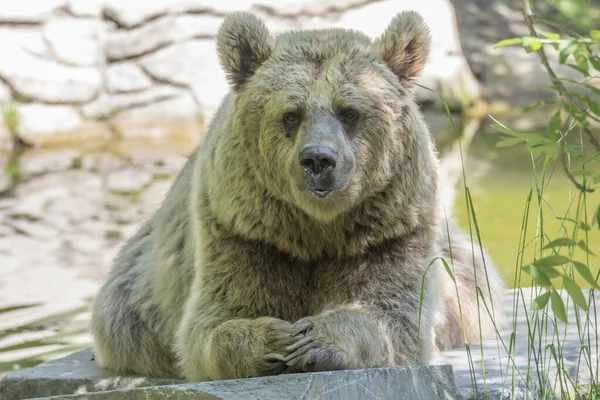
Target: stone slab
x=76 y=373
x=397 y=383
x=497 y=367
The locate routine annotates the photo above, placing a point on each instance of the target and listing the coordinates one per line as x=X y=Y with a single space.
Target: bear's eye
x=350 y=115
x=291 y=118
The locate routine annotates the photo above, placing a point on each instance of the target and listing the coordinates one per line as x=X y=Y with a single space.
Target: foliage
x=564 y=141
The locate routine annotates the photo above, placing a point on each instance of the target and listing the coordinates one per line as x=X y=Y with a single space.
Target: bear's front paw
x=278 y=336
x=315 y=350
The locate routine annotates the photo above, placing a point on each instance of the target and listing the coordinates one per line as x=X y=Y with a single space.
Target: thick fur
x=243 y=272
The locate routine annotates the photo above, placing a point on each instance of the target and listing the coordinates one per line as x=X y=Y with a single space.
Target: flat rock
x=75 y=41
x=72 y=374
x=313 y=7
x=42 y=119
x=113 y=104
x=86 y=8
x=126 y=77
x=130 y=14
x=174 y=117
x=28 y=10
x=159 y=33
x=195 y=64
x=22 y=69
x=5 y=93
x=128 y=181
x=397 y=383
x=46 y=124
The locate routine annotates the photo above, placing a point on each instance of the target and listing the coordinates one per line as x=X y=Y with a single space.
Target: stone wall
x=74 y=70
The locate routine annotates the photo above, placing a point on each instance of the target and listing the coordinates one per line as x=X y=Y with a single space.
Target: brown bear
x=303 y=233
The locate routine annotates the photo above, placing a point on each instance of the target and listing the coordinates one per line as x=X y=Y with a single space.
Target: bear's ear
x=243 y=44
x=405 y=45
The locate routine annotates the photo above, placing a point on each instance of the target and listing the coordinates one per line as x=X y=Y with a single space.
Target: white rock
x=30 y=40
x=159 y=33
x=5 y=93
x=175 y=117
x=126 y=77
x=133 y=13
x=108 y=104
x=86 y=8
x=75 y=41
x=194 y=63
x=129 y=180
x=44 y=80
x=37 y=120
x=312 y=7
x=28 y=10
x=5 y=140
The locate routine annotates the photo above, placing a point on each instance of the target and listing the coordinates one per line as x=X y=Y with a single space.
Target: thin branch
x=563 y=92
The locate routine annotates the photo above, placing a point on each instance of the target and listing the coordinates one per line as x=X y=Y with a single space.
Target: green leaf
x=558 y=306
x=597 y=216
x=575 y=292
x=554 y=124
x=595 y=63
x=581 y=244
x=562 y=242
x=531 y=43
x=553 y=260
x=582 y=225
x=576 y=114
x=585 y=273
x=448 y=270
x=509 y=142
x=550 y=35
x=540 y=301
x=566 y=49
x=507 y=42
x=537 y=105
x=593 y=105
x=538 y=276
x=595 y=34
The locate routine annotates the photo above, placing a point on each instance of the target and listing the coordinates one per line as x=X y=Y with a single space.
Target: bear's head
x=329 y=115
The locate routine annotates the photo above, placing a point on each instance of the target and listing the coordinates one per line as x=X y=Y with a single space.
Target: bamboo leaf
x=558 y=307
x=575 y=292
x=562 y=242
x=553 y=260
x=541 y=301
x=538 y=276
x=585 y=273
x=583 y=246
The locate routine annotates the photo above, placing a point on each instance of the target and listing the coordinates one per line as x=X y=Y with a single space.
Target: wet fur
x=239 y=274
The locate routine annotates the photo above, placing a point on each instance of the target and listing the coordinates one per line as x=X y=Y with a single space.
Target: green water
x=500 y=181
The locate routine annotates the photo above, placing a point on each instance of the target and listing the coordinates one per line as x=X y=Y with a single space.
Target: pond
x=63 y=222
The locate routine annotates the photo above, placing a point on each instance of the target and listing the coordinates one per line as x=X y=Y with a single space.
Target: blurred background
x=102 y=99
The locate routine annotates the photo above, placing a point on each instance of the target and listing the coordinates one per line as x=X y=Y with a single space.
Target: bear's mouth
x=321 y=193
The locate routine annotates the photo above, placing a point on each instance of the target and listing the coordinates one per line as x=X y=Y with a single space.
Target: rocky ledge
x=498 y=367
x=76 y=70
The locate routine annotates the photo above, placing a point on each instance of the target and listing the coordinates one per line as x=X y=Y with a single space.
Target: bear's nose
x=318 y=158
